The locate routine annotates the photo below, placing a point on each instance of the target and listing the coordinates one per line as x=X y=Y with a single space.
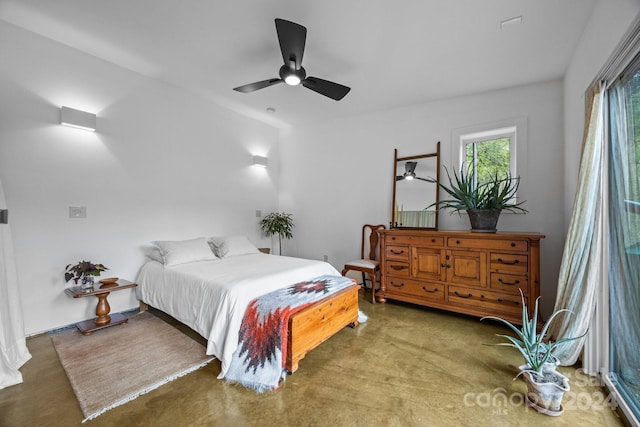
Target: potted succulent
x=84 y=271
x=280 y=224
x=545 y=385
x=484 y=201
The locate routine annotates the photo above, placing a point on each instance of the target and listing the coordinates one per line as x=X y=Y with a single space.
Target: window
x=489 y=150
x=489 y=154
x=624 y=236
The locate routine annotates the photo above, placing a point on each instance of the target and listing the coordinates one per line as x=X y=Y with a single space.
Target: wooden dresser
x=471 y=273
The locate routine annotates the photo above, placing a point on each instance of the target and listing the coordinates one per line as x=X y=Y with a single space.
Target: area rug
x=116 y=365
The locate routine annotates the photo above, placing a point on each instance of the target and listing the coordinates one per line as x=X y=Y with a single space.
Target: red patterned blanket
x=258 y=361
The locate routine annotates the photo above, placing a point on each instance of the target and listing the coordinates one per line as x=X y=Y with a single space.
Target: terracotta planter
x=484 y=220
x=545 y=392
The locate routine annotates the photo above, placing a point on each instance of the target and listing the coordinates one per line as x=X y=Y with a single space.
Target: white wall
x=337 y=176
x=164 y=164
x=609 y=21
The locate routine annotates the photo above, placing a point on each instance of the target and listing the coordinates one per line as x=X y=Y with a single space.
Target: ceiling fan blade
x=410 y=167
x=399 y=177
x=325 y=87
x=257 y=85
x=292 y=38
x=424 y=179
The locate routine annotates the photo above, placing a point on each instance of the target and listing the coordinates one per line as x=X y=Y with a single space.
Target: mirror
x=412 y=191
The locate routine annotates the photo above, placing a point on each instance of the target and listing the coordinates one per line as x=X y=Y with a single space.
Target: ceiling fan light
x=291 y=76
x=292 y=80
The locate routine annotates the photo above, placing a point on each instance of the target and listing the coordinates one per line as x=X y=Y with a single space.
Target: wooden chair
x=369 y=262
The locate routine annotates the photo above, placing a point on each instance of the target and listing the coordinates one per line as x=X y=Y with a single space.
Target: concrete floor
x=407 y=366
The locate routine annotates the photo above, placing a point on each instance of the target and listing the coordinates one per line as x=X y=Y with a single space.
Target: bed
x=209 y=292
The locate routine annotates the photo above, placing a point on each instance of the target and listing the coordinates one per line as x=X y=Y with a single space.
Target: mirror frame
x=394 y=223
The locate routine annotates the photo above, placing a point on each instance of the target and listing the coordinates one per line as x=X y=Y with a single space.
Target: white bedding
x=211 y=296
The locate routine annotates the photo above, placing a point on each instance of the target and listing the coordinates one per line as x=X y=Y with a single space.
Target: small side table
x=101 y=291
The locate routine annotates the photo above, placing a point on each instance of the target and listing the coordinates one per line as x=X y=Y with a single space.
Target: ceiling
x=391 y=54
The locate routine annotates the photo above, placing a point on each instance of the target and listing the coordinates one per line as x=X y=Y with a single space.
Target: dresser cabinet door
x=467 y=268
x=428 y=263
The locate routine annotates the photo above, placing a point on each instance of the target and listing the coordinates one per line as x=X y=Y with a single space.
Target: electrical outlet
x=325 y=258
x=77 y=211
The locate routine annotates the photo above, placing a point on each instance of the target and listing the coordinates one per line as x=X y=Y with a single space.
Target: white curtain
x=13 y=347
x=580 y=269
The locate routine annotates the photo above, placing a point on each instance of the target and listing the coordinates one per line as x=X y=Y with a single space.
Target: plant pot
x=87 y=282
x=545 y=391
x=484 y=220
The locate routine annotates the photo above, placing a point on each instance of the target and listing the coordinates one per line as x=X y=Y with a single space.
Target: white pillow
x=153 y=253
x=232 y=246
x=184 y=251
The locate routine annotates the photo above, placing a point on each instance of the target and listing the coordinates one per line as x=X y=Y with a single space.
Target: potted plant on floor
x=280 y=224
x=483 y=201
x=545 y=385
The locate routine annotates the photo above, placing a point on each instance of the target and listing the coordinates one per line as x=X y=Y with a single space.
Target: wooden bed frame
x=315 y=324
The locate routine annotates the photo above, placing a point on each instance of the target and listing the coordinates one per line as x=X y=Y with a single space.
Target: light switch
x=77 y=211
x=258 y=213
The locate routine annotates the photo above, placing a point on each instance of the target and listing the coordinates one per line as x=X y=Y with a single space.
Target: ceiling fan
x=292 y=39
x=409 y=172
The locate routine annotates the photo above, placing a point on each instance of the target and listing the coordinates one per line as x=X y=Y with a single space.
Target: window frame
x=489 y=135
x=515 y=127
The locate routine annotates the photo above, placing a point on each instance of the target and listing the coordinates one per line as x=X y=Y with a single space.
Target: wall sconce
x=260 y=161
x=77 y=119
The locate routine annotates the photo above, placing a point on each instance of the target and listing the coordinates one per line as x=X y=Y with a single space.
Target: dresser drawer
x=429 y=241
x=414 y=240
x=509 y=283
x=401 y=285
x=520 y=245
x=492 y=303
x=397 y=252
x=512 y=263
x=397 y=268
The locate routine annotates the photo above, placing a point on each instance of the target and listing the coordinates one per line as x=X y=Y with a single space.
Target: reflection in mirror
x=415 y=190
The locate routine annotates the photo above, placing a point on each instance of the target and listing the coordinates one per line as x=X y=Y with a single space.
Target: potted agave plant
x=545 y=385
x=483 y=201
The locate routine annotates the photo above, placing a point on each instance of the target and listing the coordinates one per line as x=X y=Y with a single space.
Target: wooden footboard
x=315 y=324
x=318 y=322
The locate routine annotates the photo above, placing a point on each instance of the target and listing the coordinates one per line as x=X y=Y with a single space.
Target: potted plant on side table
x=545 y=385
x=483 y=201
x=84 y=271
x=280 y=224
